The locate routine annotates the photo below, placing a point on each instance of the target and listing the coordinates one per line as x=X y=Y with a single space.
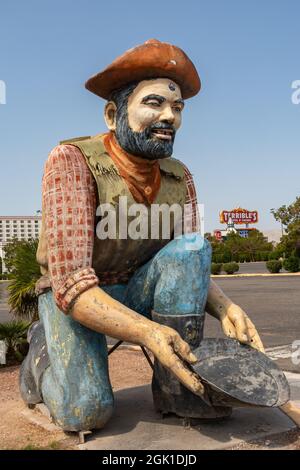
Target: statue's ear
x=110 y=112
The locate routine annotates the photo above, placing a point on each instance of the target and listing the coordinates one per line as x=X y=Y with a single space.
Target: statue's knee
x=194 y=243
x=192 y=250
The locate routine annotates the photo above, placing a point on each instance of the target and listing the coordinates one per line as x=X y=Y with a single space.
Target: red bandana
x=142 y=176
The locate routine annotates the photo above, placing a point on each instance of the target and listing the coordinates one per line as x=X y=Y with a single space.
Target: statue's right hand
x=174 y=354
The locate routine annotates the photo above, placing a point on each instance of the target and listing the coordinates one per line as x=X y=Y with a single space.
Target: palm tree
x=24 y=271
x=14 y=334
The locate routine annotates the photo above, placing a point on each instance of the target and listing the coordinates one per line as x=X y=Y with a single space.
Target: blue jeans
x=76 y=387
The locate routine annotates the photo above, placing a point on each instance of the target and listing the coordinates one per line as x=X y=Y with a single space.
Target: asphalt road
x=273 y=304
x=259 y=267
x=4 y=313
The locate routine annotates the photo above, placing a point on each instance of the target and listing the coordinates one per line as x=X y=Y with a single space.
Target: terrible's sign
x=239 y=216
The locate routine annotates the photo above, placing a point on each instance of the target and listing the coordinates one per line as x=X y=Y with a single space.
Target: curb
x=256 y=275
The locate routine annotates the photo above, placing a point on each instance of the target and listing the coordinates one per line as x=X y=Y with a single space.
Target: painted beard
x=153 y=143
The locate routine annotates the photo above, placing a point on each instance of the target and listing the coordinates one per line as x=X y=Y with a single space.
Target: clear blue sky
x=240 y=135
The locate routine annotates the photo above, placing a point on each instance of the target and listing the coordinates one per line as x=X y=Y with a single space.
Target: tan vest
x=115 y=260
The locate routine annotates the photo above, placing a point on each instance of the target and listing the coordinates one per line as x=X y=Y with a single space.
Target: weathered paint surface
x=76 y=387
x=175 y=281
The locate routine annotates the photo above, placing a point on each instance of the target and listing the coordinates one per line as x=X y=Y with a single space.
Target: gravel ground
x=127 y=369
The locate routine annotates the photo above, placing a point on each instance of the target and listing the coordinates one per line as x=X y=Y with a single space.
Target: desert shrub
x=216 y=268
x=274 y=266
x=291 y=264
x=230 y=268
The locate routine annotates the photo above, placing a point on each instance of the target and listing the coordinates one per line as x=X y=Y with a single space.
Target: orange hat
x=153 y=59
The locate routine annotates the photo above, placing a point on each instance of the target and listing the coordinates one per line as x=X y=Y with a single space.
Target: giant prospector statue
x=143 y=284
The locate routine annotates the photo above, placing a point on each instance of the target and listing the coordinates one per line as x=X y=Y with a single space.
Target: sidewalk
x=135 y=425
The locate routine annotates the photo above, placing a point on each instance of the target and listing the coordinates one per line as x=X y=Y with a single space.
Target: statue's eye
x=154 y=103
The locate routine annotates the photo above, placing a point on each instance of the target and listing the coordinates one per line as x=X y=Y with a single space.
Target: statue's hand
x=236 y=324
x=174 y=354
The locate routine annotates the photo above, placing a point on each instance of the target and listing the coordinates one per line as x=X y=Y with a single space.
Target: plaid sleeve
x=69 y=204
x=191 y=213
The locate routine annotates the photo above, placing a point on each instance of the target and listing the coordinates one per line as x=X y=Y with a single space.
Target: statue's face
x=155 y=101
x=146 y=121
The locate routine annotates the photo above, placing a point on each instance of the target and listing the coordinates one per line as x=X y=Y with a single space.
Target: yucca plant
x=14 y=334
x=24 y=271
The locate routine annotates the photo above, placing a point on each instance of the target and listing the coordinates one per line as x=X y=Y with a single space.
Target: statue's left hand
x=236 y=324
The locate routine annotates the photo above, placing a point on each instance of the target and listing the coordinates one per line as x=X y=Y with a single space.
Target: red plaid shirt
x=69 y=205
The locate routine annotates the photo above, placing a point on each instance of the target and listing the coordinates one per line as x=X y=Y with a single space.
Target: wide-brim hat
x=153 y=59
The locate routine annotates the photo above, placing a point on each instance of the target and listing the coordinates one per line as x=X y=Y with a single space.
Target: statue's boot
x=34 y=365
x=169 y=395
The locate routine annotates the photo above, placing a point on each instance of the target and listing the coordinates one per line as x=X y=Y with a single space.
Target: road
x=4 y=313
x=259 y=267
x=273 y=304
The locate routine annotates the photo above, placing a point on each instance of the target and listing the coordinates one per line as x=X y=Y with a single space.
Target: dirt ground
x=127 y=369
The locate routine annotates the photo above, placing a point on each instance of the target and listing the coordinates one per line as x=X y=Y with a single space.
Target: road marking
x=280 y=352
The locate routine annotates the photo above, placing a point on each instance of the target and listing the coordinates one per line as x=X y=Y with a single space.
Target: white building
x=20 y=227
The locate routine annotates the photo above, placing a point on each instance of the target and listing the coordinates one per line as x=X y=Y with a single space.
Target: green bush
x=265 y=255
x=274 y=255
x=258 y=256
x=274 y=266
x=291 y=264
x=218 y=258
x=216 y=268
x=14 y=334
x=231 y=268
x=226 y=257
x=296 y=252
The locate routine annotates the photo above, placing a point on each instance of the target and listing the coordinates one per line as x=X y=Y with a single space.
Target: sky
x=240 y=135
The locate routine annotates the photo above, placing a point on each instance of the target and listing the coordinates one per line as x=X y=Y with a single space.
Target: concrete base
x=40 y=416
x=135 y=425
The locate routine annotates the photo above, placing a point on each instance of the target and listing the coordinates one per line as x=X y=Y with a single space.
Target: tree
x=236 y=247
x=14 y=334
x=289 y=216
x=24 y=271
